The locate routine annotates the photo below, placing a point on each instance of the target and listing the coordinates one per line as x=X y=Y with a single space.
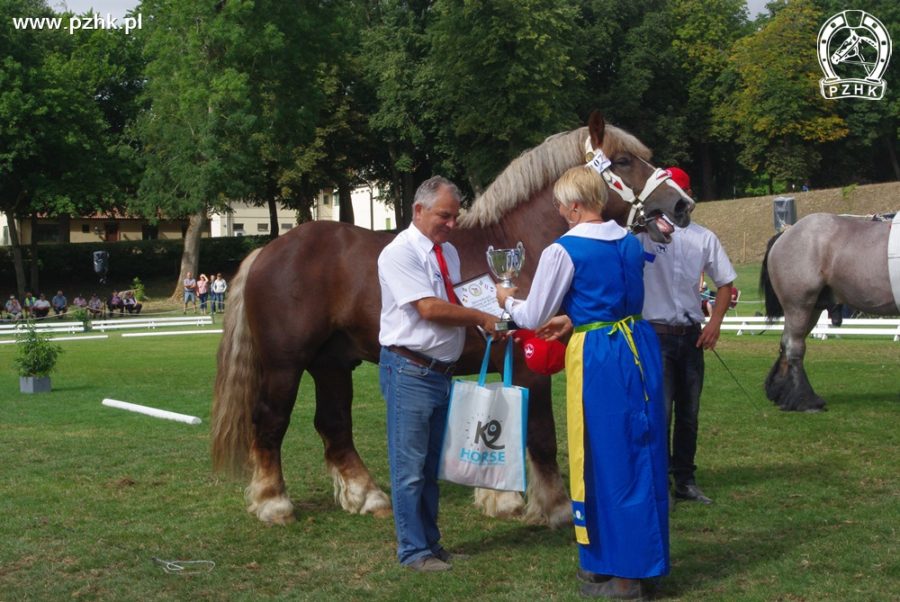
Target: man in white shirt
x=672 y=305
x=422 y=335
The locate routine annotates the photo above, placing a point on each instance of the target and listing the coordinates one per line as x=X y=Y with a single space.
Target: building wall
x=247 y=220
x=244 y=220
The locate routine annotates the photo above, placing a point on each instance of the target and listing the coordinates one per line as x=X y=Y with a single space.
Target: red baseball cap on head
x=680 y=177
x=541 y=356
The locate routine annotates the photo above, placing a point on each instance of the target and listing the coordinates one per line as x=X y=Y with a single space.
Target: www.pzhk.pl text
x=75 y=23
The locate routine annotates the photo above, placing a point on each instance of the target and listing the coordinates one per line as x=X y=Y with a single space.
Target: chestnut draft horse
x=821 y=261
x=327 y=272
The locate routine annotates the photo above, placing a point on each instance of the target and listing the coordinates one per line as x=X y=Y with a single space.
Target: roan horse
x=821 y=261
x=327 y=273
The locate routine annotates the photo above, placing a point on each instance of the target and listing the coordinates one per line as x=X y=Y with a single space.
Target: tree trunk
x=32 y=246
x=707 y=191
x=406 y=200
x=18 y=263
x=892 y=155
x=273 y=217
x=345 y=198
x=190 y=257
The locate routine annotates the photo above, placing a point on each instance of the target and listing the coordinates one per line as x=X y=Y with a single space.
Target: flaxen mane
x=540 y=166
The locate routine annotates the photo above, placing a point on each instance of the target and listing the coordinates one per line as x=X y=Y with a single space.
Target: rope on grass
x=185 y=567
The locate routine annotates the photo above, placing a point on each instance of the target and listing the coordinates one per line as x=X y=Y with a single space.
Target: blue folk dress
x=615 y=413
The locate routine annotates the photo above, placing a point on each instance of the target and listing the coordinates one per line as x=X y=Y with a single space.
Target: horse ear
x=597 y=127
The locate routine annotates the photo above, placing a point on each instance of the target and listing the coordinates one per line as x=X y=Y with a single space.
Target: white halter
x=601 y=164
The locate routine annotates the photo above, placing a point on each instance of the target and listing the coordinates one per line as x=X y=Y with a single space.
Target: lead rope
x=185 y=567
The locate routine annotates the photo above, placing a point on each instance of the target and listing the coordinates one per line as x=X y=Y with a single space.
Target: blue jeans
x=417 y=400
x=682 y=385
x=217 y=302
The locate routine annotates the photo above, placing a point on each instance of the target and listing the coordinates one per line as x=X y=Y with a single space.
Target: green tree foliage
x=774 y=110
x=704 y=33
x=393 y=56
x=500 y=79
x=63 y=102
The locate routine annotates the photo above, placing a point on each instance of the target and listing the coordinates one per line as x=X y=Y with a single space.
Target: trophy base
x=505 y=326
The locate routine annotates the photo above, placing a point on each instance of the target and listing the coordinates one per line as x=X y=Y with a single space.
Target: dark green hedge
x=142 y=258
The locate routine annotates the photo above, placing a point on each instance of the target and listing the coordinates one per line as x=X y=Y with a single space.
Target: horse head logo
x=853 y=40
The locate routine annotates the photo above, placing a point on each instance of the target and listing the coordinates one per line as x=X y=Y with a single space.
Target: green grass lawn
x=807 y=506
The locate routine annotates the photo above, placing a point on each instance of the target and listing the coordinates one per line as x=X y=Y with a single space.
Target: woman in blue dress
x=616 y=419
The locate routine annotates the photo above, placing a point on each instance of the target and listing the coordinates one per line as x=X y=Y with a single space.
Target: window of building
x=287 y=226
x=262 y=227
x=239 y=229
x=47 y=233
x=85 y=228
x=326 y=199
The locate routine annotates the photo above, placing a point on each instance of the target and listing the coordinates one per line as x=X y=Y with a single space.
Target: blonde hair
x=583 y=185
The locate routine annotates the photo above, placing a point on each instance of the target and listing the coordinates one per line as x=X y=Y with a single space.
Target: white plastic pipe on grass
x=156 y=413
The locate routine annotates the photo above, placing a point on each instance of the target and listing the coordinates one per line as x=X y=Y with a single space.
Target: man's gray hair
x=428 y=190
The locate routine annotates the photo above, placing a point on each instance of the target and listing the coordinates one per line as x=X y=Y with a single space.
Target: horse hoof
x=378 y=504
x=499 y=504
x=277 y=511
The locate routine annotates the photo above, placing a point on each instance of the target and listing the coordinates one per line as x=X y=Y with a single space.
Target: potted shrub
x=35 y=359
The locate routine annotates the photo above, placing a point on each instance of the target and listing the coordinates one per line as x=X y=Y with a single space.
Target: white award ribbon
x=599 y=163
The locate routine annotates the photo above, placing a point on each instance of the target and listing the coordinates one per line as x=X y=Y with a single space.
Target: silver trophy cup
x=505 y=264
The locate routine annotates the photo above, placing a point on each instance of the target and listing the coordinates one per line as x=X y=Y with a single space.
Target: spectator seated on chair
x=59 y=303
x=95 y=306
x=707 y=297
x=41 y=307
x=115 y=304
x=79 y=302
x=735 y=298
x=27 y=302
x=13 y=308
x=130 y=303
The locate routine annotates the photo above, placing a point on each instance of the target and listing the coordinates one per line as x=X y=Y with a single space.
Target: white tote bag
x=484 y=443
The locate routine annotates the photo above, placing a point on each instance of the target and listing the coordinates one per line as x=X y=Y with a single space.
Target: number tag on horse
x=600 y=162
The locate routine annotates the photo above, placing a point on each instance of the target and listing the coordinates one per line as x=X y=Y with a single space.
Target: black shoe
x=691 y=493
x=446 y=556
x=589 y=577
x=616 y=588
x=428 y=564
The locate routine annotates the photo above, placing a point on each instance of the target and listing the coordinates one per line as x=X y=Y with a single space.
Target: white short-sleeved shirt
x=672 y=274
x=408 y=271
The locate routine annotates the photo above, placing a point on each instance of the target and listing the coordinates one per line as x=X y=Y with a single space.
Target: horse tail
x=237 y=382
x=773 y=305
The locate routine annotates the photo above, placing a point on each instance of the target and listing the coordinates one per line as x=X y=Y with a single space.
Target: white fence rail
x=150 y=323
x=822 y=330
x=8 y=332
x=16 y=327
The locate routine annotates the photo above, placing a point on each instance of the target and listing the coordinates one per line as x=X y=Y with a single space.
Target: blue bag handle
x=507 y=364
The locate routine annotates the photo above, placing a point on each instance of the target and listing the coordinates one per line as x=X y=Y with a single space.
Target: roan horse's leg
x=354 y=488
x=787 y=384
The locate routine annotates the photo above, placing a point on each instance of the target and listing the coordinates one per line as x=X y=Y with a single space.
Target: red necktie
x=445 y=274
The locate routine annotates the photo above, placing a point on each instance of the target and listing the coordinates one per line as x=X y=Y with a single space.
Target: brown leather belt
x=421 y=359
x=675 y=330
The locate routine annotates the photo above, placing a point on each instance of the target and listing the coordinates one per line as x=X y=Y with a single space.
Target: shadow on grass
x=784 y=502
x=861 y=399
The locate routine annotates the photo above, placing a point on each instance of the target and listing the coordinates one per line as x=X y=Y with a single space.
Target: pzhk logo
x=853 y=43
x=489 y=432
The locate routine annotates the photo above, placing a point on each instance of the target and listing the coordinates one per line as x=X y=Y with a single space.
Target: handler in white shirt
x=672 y=305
